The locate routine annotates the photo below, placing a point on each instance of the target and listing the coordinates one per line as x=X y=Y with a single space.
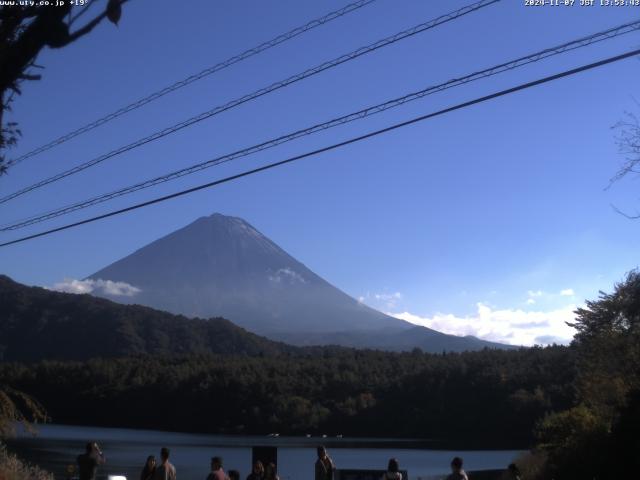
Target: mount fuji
x=221 y=266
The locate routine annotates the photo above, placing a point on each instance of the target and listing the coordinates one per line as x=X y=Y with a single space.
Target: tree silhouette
x=628 y=140
x=27 y=29
x=18 y=408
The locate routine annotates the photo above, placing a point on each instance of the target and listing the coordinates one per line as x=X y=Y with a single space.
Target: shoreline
x=57 y=446
x=235 y=440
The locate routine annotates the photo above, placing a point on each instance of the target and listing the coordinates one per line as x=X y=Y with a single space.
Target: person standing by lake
x=89 y=461
x=324 y=465
x=149 y=468
x=164 y=471
x=257 y=472
x=457 y=473
x=217 y=473
x=271 y=472
x=393 y=471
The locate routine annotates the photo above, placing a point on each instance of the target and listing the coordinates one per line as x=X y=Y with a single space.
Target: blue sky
x=493 y=220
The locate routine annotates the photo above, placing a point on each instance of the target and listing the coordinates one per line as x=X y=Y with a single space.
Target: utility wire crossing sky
x=493 y=222
x=524 y=86
x=194 y=78
x=488 y=72
x=423 y=27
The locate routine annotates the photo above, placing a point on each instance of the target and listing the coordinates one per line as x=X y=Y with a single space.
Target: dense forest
x=577 y=407
x=488 y=398
x=92 y=361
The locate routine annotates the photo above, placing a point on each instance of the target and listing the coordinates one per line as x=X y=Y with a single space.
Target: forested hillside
x=91 y=361
x=488 y=398
x=578 y=406
x=38 y=324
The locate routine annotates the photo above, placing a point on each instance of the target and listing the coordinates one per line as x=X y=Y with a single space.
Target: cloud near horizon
x=512 y=326
x=99 y=286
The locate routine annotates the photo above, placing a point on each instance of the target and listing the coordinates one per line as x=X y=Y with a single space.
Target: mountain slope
x=37 y=324
x=415 y=337
x=222 y=266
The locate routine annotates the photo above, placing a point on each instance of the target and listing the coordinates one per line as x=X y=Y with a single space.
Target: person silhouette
x=164 y=471
x=89 y=461
x=393 y=471
x=149 y=468
x=324 y=465
x=457 y=473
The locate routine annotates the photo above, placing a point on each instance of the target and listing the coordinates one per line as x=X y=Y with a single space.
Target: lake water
x=126 y=450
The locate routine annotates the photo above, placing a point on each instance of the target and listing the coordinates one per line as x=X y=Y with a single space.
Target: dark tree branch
x=26 y=76
x=112 y=6
x=628 y=141
x=626 y=215
x=24 y=32
x=82 y=12
x=86 y=29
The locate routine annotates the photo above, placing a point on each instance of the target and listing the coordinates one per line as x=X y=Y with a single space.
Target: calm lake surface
x=126 y=450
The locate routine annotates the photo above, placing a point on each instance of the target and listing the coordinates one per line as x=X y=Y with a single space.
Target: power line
x=335 y=146
x=194 y=78
x=488 y=72
x=259 y=93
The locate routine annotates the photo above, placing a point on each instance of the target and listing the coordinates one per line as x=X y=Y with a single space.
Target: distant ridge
x=37 y=324
x=222 y=266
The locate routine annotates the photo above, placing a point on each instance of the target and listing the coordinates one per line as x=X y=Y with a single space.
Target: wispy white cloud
x=105 y=287
x=535 y=293
x=567 y=292
x=385 y=300
x=512 y=326
x=386 y=297
x=286 y=275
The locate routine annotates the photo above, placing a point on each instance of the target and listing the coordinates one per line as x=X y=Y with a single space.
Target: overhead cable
x=334 y=146
x=193 y=78
x=258 y=93
x=360 y=114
